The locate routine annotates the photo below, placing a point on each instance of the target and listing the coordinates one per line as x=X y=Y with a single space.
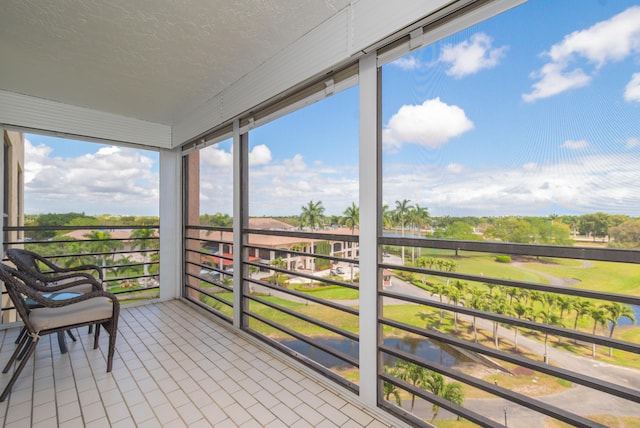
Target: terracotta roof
x=268 y=223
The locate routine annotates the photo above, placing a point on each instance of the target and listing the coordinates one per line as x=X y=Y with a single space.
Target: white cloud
x=455 y=168
x=633 y=142
x=583 y=184
x=112 y=179
x=470 y=56
x=607 y=41
x=408 y=63
x=431 y=124
x=632 y=91
x=260 y=155
x=575 y=144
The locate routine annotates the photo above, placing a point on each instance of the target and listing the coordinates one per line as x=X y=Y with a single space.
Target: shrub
x=503 y=259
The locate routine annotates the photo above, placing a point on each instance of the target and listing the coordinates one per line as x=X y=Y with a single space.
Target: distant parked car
x=339 y=270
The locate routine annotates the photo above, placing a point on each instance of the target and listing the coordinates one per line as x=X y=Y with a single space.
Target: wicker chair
x=78 y=278
x=57 y=278
x=52 y=316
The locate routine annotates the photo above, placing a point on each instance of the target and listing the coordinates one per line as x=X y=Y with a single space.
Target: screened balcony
x=501 y=292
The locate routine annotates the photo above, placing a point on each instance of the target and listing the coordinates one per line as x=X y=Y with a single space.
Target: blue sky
x=533 y=112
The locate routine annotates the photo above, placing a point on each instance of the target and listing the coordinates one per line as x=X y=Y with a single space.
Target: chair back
x=25 y=260
x=16 y=284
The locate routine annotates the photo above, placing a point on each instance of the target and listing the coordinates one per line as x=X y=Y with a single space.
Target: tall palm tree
x=104 y=244
x=352 y=216
x=520 y=310
x=547 y=316
x=413 y=374
x=390 y=389
x=144 y=239
x=564 y=303
x=599 y=316
x=312 y=214
x=477 y=300
x=401 y=213
x=450 y=391
x=615 y=311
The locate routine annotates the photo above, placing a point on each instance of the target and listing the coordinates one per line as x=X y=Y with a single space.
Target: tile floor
x=173 y=367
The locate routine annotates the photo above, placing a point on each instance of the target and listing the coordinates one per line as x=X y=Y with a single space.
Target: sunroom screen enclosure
x=492 y=246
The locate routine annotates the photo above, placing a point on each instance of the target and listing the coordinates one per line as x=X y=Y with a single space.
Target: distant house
x=274 y=246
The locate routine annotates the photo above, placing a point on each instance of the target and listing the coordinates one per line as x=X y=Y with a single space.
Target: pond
x=420 y=347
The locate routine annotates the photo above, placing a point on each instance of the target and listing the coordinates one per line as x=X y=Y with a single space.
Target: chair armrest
x=58 y=269
x=80 y=278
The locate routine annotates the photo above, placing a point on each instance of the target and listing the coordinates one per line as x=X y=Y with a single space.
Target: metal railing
x=130 y=266
x=281 y=287
x=536 y=310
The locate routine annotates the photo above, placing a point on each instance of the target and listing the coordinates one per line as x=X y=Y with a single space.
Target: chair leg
x=113 y=330
x=20 y=349
x=70 y=334
x=25 y=343
x=96 y=336
x=30 y=349
x=21 y=335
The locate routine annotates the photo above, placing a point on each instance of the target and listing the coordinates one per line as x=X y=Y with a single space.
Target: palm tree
x=439 y=289
x=615 y=311
x=477 y=300
x=413 y=374
x=520 y=310
x=390 y=389
x=450 y=391
x=564 y=303
x=550 y=318
x=281 y=263
x=144 y=239
x=387 y=217
x=312 y=214
x=401 y=213
x=352 y=216
x=454 y=296
x=104 y=244
x=599 y=316
x=582 y=307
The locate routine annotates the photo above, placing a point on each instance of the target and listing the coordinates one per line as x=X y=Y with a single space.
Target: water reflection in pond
x=420 y=347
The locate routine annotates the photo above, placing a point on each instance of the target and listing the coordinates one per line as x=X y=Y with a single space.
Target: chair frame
x=20 y=285
x=28 y=262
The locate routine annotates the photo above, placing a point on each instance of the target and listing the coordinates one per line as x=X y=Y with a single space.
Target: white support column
x=369 y=212
x=240 y=199
x=170 y=224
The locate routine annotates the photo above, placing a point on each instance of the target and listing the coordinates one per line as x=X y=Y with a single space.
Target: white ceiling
x=153 y=60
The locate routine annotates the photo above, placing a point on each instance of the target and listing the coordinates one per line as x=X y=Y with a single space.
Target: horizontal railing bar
x=317 y=236
x=583 y=253
x=545 y=328
x=212 y=228
x=304 y=275
x=305 y=360
x=212 y=295
x=207 y=267
x=441 y=402
x=314 y=299
x=304 y=254
x=209 y=309
x=96 y=227
x=216 y=284
x=216 y=241
x=622 y=298
x=499 y=391
x=310 y=320
x=588 y=381
x=331 y=351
